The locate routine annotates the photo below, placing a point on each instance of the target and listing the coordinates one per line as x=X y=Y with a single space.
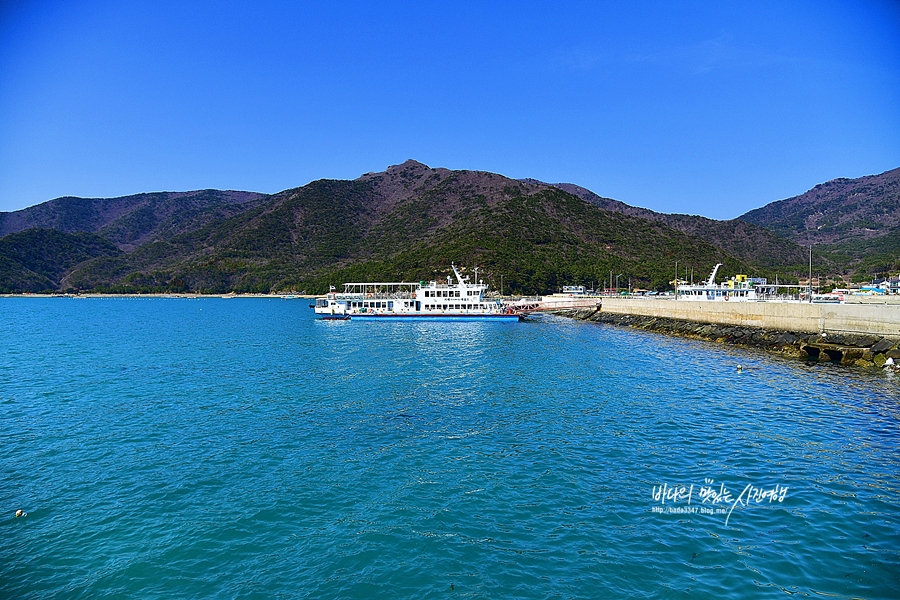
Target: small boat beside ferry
x=457 y=300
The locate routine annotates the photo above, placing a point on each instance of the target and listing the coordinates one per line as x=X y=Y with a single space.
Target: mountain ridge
x=746 y=241
x=835 y=212
x=410 y=220
x=128 y=221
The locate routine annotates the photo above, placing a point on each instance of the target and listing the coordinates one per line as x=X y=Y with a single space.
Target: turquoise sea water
x=238 y=448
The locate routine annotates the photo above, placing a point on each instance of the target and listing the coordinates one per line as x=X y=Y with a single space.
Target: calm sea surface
x=239 y=448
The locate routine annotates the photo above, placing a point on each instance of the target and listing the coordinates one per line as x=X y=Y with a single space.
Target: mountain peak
x=411 y=162
x=408 y=168
x=409 y=165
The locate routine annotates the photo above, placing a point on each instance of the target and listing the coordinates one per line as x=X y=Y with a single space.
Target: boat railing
x=376 y=296
x=382 y=290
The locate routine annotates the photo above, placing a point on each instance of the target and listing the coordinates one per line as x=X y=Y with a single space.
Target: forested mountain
x=840 y=210
x=408 y=222
x=130 y=221
x=751 y=243
x=854 y=223
x=38 y=259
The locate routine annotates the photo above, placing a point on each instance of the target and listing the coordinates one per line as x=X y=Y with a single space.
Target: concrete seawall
x=865 y=335
x=862 y=319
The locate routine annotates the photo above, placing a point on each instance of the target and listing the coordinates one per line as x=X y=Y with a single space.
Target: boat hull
x=511 y=318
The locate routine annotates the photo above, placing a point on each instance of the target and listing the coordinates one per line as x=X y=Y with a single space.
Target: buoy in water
x=21 y=513
x=740 y=369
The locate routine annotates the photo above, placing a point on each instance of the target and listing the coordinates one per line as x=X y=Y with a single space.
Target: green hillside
x=37 y=260
x=751 y=243
x=331 y=231
x=409 y=222
x=853 y=224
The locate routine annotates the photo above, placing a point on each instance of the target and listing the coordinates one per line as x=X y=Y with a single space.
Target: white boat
x=736 y=289
x=571 y=297
x=830 y=298
x=573 y=290
x=461 y=300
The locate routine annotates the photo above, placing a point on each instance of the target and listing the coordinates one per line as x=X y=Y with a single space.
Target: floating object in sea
x=21 y=513
x=740 y=369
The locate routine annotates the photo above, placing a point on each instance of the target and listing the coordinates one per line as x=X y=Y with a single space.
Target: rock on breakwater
x=848 y=349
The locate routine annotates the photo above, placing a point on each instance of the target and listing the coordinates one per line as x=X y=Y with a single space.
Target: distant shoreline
x=171 y=296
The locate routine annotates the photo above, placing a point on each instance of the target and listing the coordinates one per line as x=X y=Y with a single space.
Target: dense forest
x=407 y=223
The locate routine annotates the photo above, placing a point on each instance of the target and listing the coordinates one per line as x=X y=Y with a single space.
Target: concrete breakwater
x=855 y=319
x=841 y=339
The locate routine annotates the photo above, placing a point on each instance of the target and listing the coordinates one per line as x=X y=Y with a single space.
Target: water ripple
x=224 y=448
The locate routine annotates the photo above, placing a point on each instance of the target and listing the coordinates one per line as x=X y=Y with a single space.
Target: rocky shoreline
x=868 y=351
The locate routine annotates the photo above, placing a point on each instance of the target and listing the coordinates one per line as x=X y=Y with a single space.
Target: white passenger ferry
x=736 y=289
x=461 y=300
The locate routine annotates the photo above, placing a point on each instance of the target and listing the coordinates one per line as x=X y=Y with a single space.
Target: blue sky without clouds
x=711 y=108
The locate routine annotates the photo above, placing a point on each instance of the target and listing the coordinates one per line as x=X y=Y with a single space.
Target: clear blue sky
x=711 y=108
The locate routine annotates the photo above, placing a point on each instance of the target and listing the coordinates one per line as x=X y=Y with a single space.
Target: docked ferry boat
x=459 y=300
x=736 y=289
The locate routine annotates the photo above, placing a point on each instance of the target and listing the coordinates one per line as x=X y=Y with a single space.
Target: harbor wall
x=859 y=349
x=861 y=319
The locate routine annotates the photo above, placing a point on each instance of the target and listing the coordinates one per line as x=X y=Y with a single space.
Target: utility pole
x=676 y=280
x=810 y=273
